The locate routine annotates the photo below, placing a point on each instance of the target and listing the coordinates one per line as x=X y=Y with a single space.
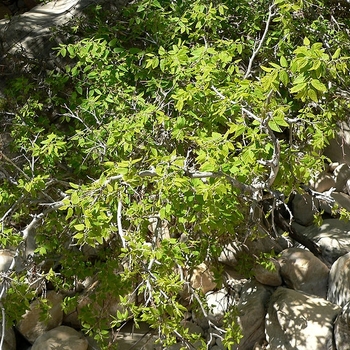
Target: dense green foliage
x=176 y=112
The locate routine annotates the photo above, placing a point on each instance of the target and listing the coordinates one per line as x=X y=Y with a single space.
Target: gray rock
x=6 y=259
x=302 y=271
x=342 y=329
x=252 y=310
x=341 y=175
x=339 y=281
x=30 y=33
x=61 y=338
x=333 y=237
x=342 y=199
x=304 y=207
x=229 y=254
x=30 y=325
x=298 y=321
x=323 y=182
x=219 y=302
x=10 y=339
x=338 y=149
x=270 y=277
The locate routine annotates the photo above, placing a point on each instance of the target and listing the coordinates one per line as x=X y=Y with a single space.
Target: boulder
x=131 y=337
x=302 y=271
x=304 y=207
x=323 y=182
x=31 y=326
x=342 y=199
x=298 y=321
x=30 y=33
x=269 y=277
x=342 y=328
x=6 y=260
x=332 y=237
x=202 y=278
x=219 y=302
x=342 y=175
x=251 y=313
x=338 y=149
x=229 y=254
x=339 y=281
x=9 y=340
x=61 y=338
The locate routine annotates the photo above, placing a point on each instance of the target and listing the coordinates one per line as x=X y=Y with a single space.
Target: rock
x=251 y=313
x=229 y=254
x=10 y=339
x=30 y=325
x=270 y=277
x=217 y=347
x=177 y=346
x=304 y=207
x=342 y=199
x=302 y=271
x=193 y=328
x=202 y=278
x=341 y=175
x=30 y=33
x=130 y=337
x=332 y=237
x=61 y=338
x=338 y=149
x=263 y=244
x=323 y=182
x=6 y=259
x=342 y=328
x=299 y=321
x=213 y=338
x=219 y=302
x=339 y=281
x=87 y=300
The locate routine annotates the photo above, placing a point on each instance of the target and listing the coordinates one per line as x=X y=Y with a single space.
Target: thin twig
x=255 y=52
x=119 y=222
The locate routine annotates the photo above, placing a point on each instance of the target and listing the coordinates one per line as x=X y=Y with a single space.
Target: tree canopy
x=180 y=116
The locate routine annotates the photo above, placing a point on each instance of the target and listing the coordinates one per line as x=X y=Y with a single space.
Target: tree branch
x=273 y=163
x=119 y=222
x=255 y=52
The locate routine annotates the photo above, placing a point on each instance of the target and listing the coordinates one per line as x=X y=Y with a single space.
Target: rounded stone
x=61 y=338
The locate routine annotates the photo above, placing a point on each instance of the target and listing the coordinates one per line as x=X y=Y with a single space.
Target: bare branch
x=119 y=222
x=255 y=52
x=2 y=155
x=30 y=231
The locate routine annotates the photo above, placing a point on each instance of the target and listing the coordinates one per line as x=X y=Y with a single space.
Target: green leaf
x=75 y=198
x=336 y=53
x=318 y=85
x=283 y=62
x=78 y=235
x=313 y=95
x=79 y=227
x=69 y=213
x=284 y=78
x=274 y=126
x=267 y=69
x=298 y=87
x=306 y=42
